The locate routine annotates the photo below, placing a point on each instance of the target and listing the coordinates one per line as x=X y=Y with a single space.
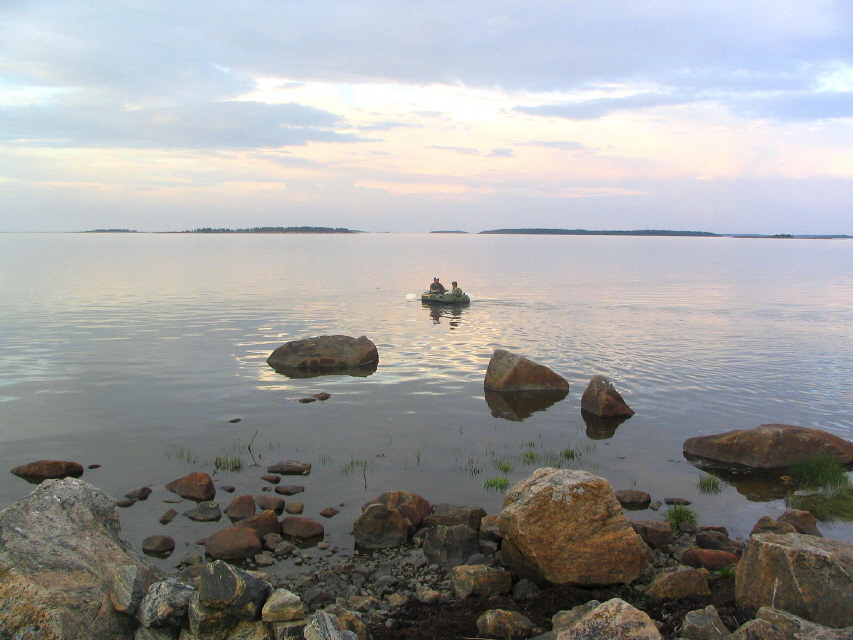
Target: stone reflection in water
x=519 y=405
x=298 y=373
x=451 y=312
x=759 y=486
x=599 y=427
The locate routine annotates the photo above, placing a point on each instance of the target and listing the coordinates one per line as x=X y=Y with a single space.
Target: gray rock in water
x=601 y=399
x=58 y=549
x=324 y=352
x=450 y=546
x=510 y=372
x=208 y=511
x=223 y=586
x=379 y=527
x=165 y=604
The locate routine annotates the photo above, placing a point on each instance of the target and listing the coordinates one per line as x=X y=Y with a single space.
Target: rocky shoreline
x=450 y=572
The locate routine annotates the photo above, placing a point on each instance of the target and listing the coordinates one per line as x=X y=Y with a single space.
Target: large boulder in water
x=770 y=446
x=59 y=549
x=510 y=372
x=325 y=352
x=567 y=527
x=602 y=399
x=808 y=576
x=42 y=470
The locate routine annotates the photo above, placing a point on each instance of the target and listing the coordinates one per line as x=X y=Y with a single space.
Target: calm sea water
x=134 y=351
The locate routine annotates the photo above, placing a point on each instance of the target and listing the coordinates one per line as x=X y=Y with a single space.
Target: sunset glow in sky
x=726 y=116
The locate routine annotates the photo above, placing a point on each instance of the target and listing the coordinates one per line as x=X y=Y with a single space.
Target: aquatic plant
x=471 y=467
x=570 y=454
x=355 y=465
x=528 y=457
x=179 y=452
x=502 y=466
x=325 y=460
x=228 y=458
x=709 y=484
x=728 y=572
x=820 y=471
x=828 y=505
x=497 y=484
x=679 y=514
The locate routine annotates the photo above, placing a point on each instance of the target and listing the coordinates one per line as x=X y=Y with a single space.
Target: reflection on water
x=301 y=373
x=518 y=406
x=758 y=486
x=450 y=312
x=601 y=428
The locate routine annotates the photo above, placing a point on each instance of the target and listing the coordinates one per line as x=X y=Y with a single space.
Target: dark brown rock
x=233 y=543
x=302 y=528
x=290 y=468
x=707 y=539
x=770 y=446
x=601 y=399
x=802 y=521
x=510 y=372
x=294 y=508
x=289 y=489
x=655 y=533
x=632 y=499
x=678 y=582
x=167 y=517
x=322 y=396
x=712 y=559
x=324 y=352
x=271 y=503
x=241 y=507
x=410 y=505
x=264 y=523
x=379 y=527
x=450 y=515
x=196 y=486
x=330 y=512
x=766 y=524
x=37 y=472
x=272 y=478
x=158 y=545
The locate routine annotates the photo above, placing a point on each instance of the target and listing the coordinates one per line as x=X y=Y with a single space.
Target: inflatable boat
x=444 y=298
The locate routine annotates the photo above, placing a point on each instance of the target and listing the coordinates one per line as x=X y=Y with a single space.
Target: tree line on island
x=274 y=230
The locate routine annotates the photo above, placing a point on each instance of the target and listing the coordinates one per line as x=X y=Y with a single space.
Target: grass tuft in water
x=528 y=457
x=820 y=471
x=680 y=514
x=709 y=484
x=179 y=452
x=502 y=466
x=827 y=506
x=229 y=459
x=496 y=484
x=570 y=454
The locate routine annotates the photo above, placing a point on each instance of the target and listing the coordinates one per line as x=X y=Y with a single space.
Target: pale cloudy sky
x=730 y=116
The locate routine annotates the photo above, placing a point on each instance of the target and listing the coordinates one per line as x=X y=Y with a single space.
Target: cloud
x=599 y=107
x=210 y=125
x=502 y=153
x=463 y=150
x=563 y=145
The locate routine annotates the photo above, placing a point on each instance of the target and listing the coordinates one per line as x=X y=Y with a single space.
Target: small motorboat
x=444 y=298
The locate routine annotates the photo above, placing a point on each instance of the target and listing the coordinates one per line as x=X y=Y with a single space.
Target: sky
x=730 y=116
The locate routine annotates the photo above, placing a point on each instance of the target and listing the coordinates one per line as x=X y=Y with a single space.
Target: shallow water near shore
x=135 y=351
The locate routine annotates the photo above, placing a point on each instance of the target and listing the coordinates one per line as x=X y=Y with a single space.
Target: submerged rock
x=59 y=547
x=324 y=352
x=510 y=372
x=770 y=446
x=197 y=486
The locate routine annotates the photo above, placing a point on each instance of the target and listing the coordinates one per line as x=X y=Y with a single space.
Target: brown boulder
x=633 y=499
x=264 y=523
x=805 y=575
x=241 y=507
x=766 y=524
x=770 y=446
x=196 y=486
x=510 y=372
x=42 y=470
x=802 y=521
x=302 y=528
x=655 y=533
x=479 y=580
x=712 y=559
x=602 y=399
x=271 y=503
x=410 y=505
x=233 y=543
x=324 y=352
x=678 y=582
x=290 y=468
x=566 y=527
x=450 y=515
x=379 y=527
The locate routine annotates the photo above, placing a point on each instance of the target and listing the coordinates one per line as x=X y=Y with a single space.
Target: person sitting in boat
x=456 y=291
x=436 y=287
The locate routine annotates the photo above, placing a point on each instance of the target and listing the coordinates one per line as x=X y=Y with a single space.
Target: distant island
x=275 y=230
x=586 y=232
x=111 y=231
x=448 y=232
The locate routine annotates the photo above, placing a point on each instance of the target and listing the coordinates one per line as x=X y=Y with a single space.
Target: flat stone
x=290 y=468
x=37 y=472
